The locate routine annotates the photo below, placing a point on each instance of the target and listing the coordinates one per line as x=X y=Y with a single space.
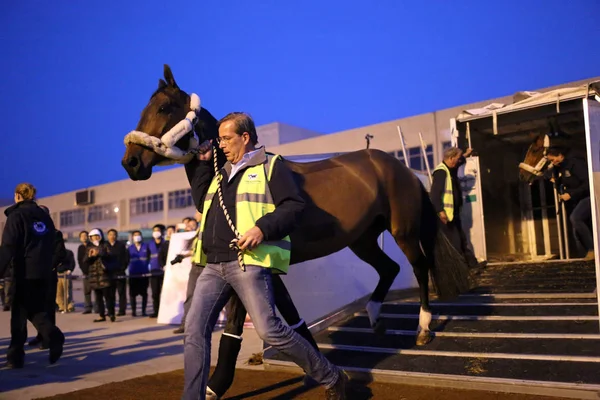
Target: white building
x=127 y=205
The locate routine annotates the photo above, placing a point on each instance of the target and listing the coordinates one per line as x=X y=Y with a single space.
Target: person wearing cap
x=28 y=243
x=102 y=262
x=139 y=258
x=156 y=267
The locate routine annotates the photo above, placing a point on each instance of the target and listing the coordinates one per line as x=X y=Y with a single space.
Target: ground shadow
x=87 y=355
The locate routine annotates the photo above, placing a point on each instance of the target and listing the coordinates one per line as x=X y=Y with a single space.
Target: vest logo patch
x=252 y=177
x=39 y=228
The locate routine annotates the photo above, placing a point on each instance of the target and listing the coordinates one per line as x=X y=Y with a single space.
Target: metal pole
x=566 y=230
x=545 y=225
x=469 y=135
x=424 y=149
x=403 y=145
x=558 y=223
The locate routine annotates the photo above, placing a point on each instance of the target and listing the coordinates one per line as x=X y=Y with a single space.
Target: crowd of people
x=108 y=268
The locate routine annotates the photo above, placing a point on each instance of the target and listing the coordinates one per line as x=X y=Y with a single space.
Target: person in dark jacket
x=87 y=292
x=156 y=267
x=64 y=289
x=139 y=258
x=28 y=243
x=119 y=281
x=101 y=262
x=571 y=174
x=446 y=196
x=164 y=247
x=58 y=257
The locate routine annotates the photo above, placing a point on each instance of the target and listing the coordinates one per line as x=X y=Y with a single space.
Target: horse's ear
x=169 y=77
x=539 y=140
x=161 y=84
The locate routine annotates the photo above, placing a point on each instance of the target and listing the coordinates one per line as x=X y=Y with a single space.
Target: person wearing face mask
x=139 y=257
x=119 y=283
x=156 y=267
x=102 y=263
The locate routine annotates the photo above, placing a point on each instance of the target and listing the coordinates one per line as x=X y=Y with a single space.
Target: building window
x=105 y=212
x=72 y=217
x=146 y=205
x=398 y=154
x=416 y=160
x=446 y=145
x=180 y=199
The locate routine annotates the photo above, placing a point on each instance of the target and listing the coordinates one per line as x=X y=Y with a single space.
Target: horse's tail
x=449 y=269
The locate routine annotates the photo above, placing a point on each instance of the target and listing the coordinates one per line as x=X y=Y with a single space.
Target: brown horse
x=535 y=164
x=351 y=199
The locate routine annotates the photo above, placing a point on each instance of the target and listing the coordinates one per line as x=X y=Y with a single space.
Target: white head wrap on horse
x=165 y=146
x=538 y=169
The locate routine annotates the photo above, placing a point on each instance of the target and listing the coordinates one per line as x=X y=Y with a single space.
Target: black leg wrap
x=303 y=331
x=222 y=378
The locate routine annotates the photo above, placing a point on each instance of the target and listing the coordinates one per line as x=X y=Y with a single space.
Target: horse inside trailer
x=521 y=219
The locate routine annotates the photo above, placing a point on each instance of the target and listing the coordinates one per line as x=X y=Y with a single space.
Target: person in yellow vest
x=447 y=199
x=262 y=201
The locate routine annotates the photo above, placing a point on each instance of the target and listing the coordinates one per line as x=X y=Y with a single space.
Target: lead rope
x=233 y=245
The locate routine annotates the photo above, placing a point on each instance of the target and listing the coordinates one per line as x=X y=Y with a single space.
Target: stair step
x=490 y=346
x=531 y=326
x=540 y=370
x=498 y=310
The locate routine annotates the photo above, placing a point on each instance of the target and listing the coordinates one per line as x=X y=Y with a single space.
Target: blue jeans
x=255 y=290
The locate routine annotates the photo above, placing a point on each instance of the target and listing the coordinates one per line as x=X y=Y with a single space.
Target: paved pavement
x=98 y=353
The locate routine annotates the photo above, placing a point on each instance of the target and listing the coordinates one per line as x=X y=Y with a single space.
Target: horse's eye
x=164 y=109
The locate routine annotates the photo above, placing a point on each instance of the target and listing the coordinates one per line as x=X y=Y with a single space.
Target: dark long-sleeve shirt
x=200 y=174
x=573 y=176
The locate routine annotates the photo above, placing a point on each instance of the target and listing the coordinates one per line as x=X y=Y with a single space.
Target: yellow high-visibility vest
x=253 y=200
x=448 y=197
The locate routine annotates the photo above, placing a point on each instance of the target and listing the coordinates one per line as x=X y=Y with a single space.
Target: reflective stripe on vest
x=448 y=197
x=253 y=200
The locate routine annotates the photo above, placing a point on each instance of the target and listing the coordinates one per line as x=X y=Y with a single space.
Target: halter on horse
x=536 y=170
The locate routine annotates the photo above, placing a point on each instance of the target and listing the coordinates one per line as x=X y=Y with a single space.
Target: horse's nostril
x=132 y=162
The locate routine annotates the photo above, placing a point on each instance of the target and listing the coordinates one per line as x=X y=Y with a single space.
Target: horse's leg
x=368 y=250
x=229 y=347
x=421 y=273
x=287 y=309
x=289 y=312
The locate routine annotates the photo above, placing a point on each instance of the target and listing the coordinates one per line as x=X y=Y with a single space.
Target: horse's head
x=170 y=130
x=536 y=160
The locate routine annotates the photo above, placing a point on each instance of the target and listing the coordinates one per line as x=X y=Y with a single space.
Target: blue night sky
x=76 y=74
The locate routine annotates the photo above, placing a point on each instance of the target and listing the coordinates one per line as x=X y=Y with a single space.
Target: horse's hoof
x=424 y=337
x=379 y=327
x=256 y=359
